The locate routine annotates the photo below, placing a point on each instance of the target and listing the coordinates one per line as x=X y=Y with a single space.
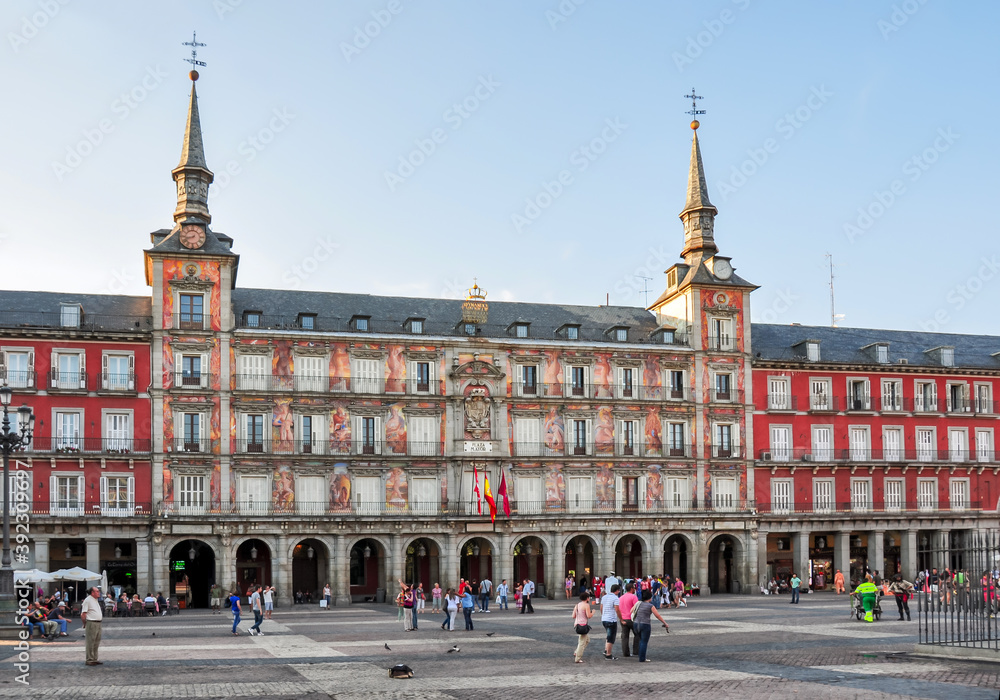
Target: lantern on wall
x=310 y=553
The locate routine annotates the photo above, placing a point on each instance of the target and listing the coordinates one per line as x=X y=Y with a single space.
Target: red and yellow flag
x=489 y=497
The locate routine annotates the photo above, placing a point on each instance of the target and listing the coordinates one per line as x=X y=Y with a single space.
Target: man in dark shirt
x=55 y=616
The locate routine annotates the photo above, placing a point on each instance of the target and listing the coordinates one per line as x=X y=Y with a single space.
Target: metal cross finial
x=194 y=44
x=694 y=97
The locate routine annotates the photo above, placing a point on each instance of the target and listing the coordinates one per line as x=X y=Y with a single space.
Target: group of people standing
x=665 y=591
x=632 y=610
x=470 y=597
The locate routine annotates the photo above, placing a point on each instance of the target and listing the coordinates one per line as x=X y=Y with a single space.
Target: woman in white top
x=581 y=616
x=451 y=609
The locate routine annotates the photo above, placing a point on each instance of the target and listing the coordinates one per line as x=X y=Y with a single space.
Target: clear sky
x=863 y=129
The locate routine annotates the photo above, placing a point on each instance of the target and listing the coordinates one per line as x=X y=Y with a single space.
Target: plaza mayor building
x=292 y=438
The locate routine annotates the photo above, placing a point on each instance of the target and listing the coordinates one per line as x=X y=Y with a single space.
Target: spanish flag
x=489 y=498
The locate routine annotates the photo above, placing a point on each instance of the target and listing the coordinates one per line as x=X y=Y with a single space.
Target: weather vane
x=694 y=112
x=194 y=44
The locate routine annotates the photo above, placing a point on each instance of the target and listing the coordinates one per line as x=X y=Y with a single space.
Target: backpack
x=635 y=611
x=400 y=671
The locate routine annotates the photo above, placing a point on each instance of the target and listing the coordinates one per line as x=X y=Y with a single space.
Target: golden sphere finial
x=193 y=75
x=695 y=124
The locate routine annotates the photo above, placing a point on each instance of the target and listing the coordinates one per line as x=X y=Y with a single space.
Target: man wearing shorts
x=216 y=595
x=268 y=601
x=611 y=615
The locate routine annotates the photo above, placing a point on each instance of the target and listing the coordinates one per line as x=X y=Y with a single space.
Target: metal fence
x=957 y=607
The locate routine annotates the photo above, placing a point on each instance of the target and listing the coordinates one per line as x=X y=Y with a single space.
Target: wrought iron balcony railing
x=783 y=508
x=89 y=446
x=865 y=454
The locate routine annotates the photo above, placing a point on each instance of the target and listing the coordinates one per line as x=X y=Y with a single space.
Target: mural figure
x=553 y=374
x=282 y=364
x=654 y=488
x=555 y=488
x=283 y=491
x=555 y=442
x=651 y=378
x=395 y=370
x=604 y=431
x=283 y=426
x=654 y=440
x=168 y=363
x=215 y=488
x=340 y=368
x=602 y=377
x=340 y=489
x=340 y=429
x=168 y=486
x=605 y=487
x=395 y=489
x=215 y=426
x=395 y=430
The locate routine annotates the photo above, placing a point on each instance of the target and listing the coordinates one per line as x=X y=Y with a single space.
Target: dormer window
x=251 y=319
x=671 y=278
x=573 y=332
x=307 y=321
x=415 y=325
x=69 y=315
x=812 y=351
x=360 y=323
x=667 y=336
x=947 y=357
x=470 y=328
x=882 y=354
x=619 y=334
x=521 y=330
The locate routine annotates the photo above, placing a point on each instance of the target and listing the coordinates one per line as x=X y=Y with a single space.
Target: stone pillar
x=42 y=554
x=94 y=556
x=606 y=560
x=502 y=562
x=550 y=560
x=876 y=551
x=750 y=553
x=762 y=573
x=282 y=581
x=700 y=561
x=941 y=560
x=143 y=580
x=450 y=573
x=395 y=560
x=340 y=572
x=908 y=554
x=226 y=567
x=842 y=555
x=800 y=554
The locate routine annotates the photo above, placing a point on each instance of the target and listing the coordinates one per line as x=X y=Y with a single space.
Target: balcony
x=67 y=381
x=89 y=446
x=74 y=508
x=196 y=321
x=865 y=454
x=361 y=446
x=782 y=402
x=730 y=396
x=266 y=383
x=620 y=449
x=18 y=380
x=193 y=380
x=85 y=323
x=725 y=343
x=784 y=508
x=589 y=390
x=727 y=451
x=115 y=383
x=188 y=445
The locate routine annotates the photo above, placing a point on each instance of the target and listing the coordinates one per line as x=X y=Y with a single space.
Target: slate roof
x=334 y=311
x=844 y=345
x=101 y=312
x=167 y=241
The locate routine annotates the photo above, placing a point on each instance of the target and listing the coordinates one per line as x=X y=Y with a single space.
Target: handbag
x=582 y=629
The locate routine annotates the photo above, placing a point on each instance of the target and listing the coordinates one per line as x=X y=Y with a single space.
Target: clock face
x=722 y=269
x=192 y=236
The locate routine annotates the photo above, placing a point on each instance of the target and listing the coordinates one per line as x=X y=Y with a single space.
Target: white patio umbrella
x=75 y=573
x=33 y=576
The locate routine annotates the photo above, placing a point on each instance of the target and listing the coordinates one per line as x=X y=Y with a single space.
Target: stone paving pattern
x=721 y=647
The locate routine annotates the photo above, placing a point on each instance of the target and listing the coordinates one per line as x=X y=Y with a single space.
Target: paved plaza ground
x=719 y=647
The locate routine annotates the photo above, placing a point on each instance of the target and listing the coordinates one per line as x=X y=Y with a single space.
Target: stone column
x=762 y=556
x=876 y=551
x=450 y=573
x=549 y=559
x=502 y=562
x=395 y=561
x=42 y=554
x=750 y=555
x=941 y=559
x=283 y=578
x=700 y=561
x=93 y=555
x=607 y=557
x=340 y=572
x=908 y=554
x=842 y=555
x=143 y=580
x=226 y=567
x=800 y=554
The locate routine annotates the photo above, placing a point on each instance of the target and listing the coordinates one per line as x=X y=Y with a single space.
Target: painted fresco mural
x=340 y=428
x=553 y=377
x=215 y=487
x=604 y=431
x=395 y=370
x=395 y=489
x=168 y=422
x=340 y=367
x=652 y=377
x=555 y=487
x=652 y=433
x=215 y=427
x=205 y=271
x=654 y=488
x=604 y=491
x=603 y=377
x=283 y=489
x=395 y=429
x=340 y=489
x=555 y=433
x=283 y=365
x=283 y=426
x=168 y=486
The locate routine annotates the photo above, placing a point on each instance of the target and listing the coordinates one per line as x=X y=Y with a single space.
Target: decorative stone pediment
x=310 y=351
x=192 y=346
x=191 y=279
x=246 y=349
x=477 y=369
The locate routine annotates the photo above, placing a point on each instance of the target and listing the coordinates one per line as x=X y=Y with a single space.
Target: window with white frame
x=627 y=437
x=68 y=370
x=368 y=435
x=424 y=495
x=18 y=485
x=778 y=394
x=819 y=395
x=582 y=437
x=529 y=494
x=781 y=443
x=925 y=396
x=723 y=386
x=310 y=494
x=676 y=383
x=812 y=352
x=69 y=315
x=626 y=383
x=311 y=373
x=958 y=398
x=252 y=432
x=678 y=493
x=882 y=354
x=420 y=377
x=725 y=493
x=118 y=371
x=254 y=494
x=190 y=372
x=822 y=443
x=958 y=494
x=677 y=439
x=192 y=427
x=958 y=445
x=893 y=494
x=892 y=444
x=984 y=398
x=927 y=494
x=984 y=445
x=117 y=495
x=18 y=368
x=577 y=380
x=861 y=495
x=781 y=496
x=580 y=494
x=192 y=311
x=69 y=437
x=925 y=445
x=860 y=444
x=368 y=495
x=724 y=440
x=311 y=430
x=254 y=372
x=66 y=494
x=367 y=376
x=118 y=432
x=892 y=395
x=424 y=435
x=823 y=498
x=527 y=384
x=858 y=395
x=190 y=494
x=527 y=436
x=722 y=334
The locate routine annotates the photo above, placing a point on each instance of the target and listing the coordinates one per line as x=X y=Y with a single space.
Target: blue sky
x=862 y=129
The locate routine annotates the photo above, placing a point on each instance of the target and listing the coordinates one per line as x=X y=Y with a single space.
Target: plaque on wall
x=479 y=446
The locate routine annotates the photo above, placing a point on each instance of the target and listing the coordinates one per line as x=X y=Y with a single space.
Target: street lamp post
x=11 y=440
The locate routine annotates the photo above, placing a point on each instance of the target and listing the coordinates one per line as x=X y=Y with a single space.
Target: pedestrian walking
x=502 y=596
x=569 y=586
x=795 y=583
x=610 y=617
x=517 y=595
x=838 y=582
x=407 y=593
x=451 y=603
x=527 y=591
x=91 y=615
x=216 y=596
x=257 y=607
x=485 y=590
x=234 y=605
x=436 y=598
x=902 y=590
x=468 y=605
x=625 y=603
x=581 y=625
x=268 y=601
x=327 y=595
x=643 y=627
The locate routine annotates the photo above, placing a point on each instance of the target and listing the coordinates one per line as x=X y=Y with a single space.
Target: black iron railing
x=75 y=322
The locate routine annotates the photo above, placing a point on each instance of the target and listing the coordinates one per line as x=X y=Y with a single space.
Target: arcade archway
x=722 y=565
x=192 y=573
x=579 y=563
x=367 y=570
x=529 y=562
x=477 y=560
x=253 y=565
x=675 y=557
x=423 y=558
x=310 y=567
x=628 y=557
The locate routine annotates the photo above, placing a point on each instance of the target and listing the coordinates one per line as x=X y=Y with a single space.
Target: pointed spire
x=192 y=174
x=699 y=212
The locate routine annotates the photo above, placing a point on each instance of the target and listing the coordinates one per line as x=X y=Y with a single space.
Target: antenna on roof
x=645 y=287
x=833 y=314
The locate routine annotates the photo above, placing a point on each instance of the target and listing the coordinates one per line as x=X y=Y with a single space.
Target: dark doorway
x=192 y=573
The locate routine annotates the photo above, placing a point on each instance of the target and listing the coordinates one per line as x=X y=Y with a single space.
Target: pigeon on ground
x=453 y=649
x=490 y=634
x=154 y=634
x=387 y=647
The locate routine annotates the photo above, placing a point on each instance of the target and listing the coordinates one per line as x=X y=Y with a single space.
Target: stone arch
x=629 y=563
x=726 y=553
x=368 y=575
x=192 y=583
x=310 y=570
x=581 y=555
x=678 y=550
x=422 y=561
x=474 y=564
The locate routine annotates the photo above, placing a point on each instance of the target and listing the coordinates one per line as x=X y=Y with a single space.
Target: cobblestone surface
x=721 y=647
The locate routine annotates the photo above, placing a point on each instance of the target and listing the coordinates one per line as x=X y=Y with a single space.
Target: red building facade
x=871 y=446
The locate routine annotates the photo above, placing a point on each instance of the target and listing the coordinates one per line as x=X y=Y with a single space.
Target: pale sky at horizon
x=865 y=130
